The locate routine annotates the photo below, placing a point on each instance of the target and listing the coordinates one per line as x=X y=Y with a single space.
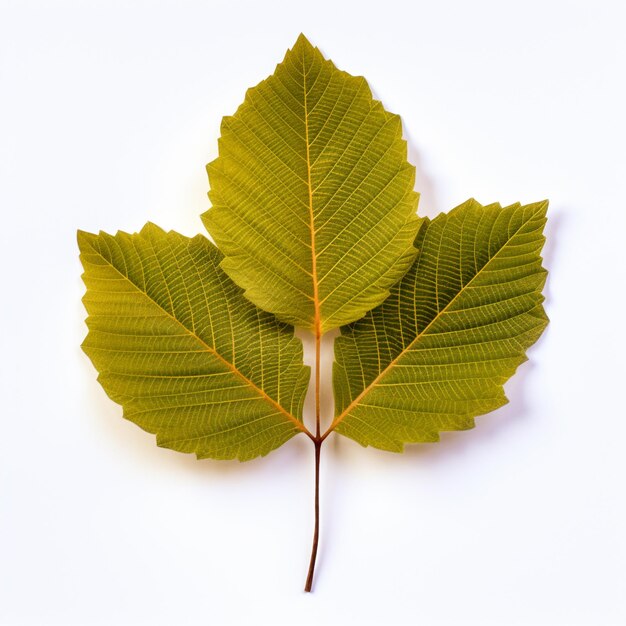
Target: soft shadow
x=557 y=217
x=428 y=203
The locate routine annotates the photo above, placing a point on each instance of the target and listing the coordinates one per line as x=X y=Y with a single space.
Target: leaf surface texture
x=436 y=353
x=181 y=349
x=312 y=196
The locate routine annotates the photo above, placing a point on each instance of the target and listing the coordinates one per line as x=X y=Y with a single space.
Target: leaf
x=181 y=349
x=438 y=351
x=314 y=213
x=313 y=201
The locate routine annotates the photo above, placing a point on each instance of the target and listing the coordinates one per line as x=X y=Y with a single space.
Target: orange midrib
x=317 y=323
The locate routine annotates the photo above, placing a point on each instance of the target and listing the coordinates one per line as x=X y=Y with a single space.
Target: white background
x=108 y=113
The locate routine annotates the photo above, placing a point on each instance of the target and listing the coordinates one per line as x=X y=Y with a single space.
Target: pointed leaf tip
x=85 y=239
x=151 y=229
x=303 y=42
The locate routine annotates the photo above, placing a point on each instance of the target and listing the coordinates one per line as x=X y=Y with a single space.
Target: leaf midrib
x=317 y=324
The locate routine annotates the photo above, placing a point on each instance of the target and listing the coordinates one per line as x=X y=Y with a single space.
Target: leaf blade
x=187 y=356
x=462 y=318
x=313 y=201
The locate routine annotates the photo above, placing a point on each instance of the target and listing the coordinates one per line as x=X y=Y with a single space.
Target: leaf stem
x=317 y=442
x=316 y=531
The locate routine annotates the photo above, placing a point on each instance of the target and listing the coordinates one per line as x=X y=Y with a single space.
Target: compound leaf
x=180 y=348
x=436 y=353
x=313 y=200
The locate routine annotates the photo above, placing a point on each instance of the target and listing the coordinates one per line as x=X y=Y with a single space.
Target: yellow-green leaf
x=436 y=353
x=313 y=200
x=180 y=348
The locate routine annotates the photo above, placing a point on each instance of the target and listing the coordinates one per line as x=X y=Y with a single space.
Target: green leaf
x=314 y=213
x=181 y=349
x=438 y=351
x=313 y=201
